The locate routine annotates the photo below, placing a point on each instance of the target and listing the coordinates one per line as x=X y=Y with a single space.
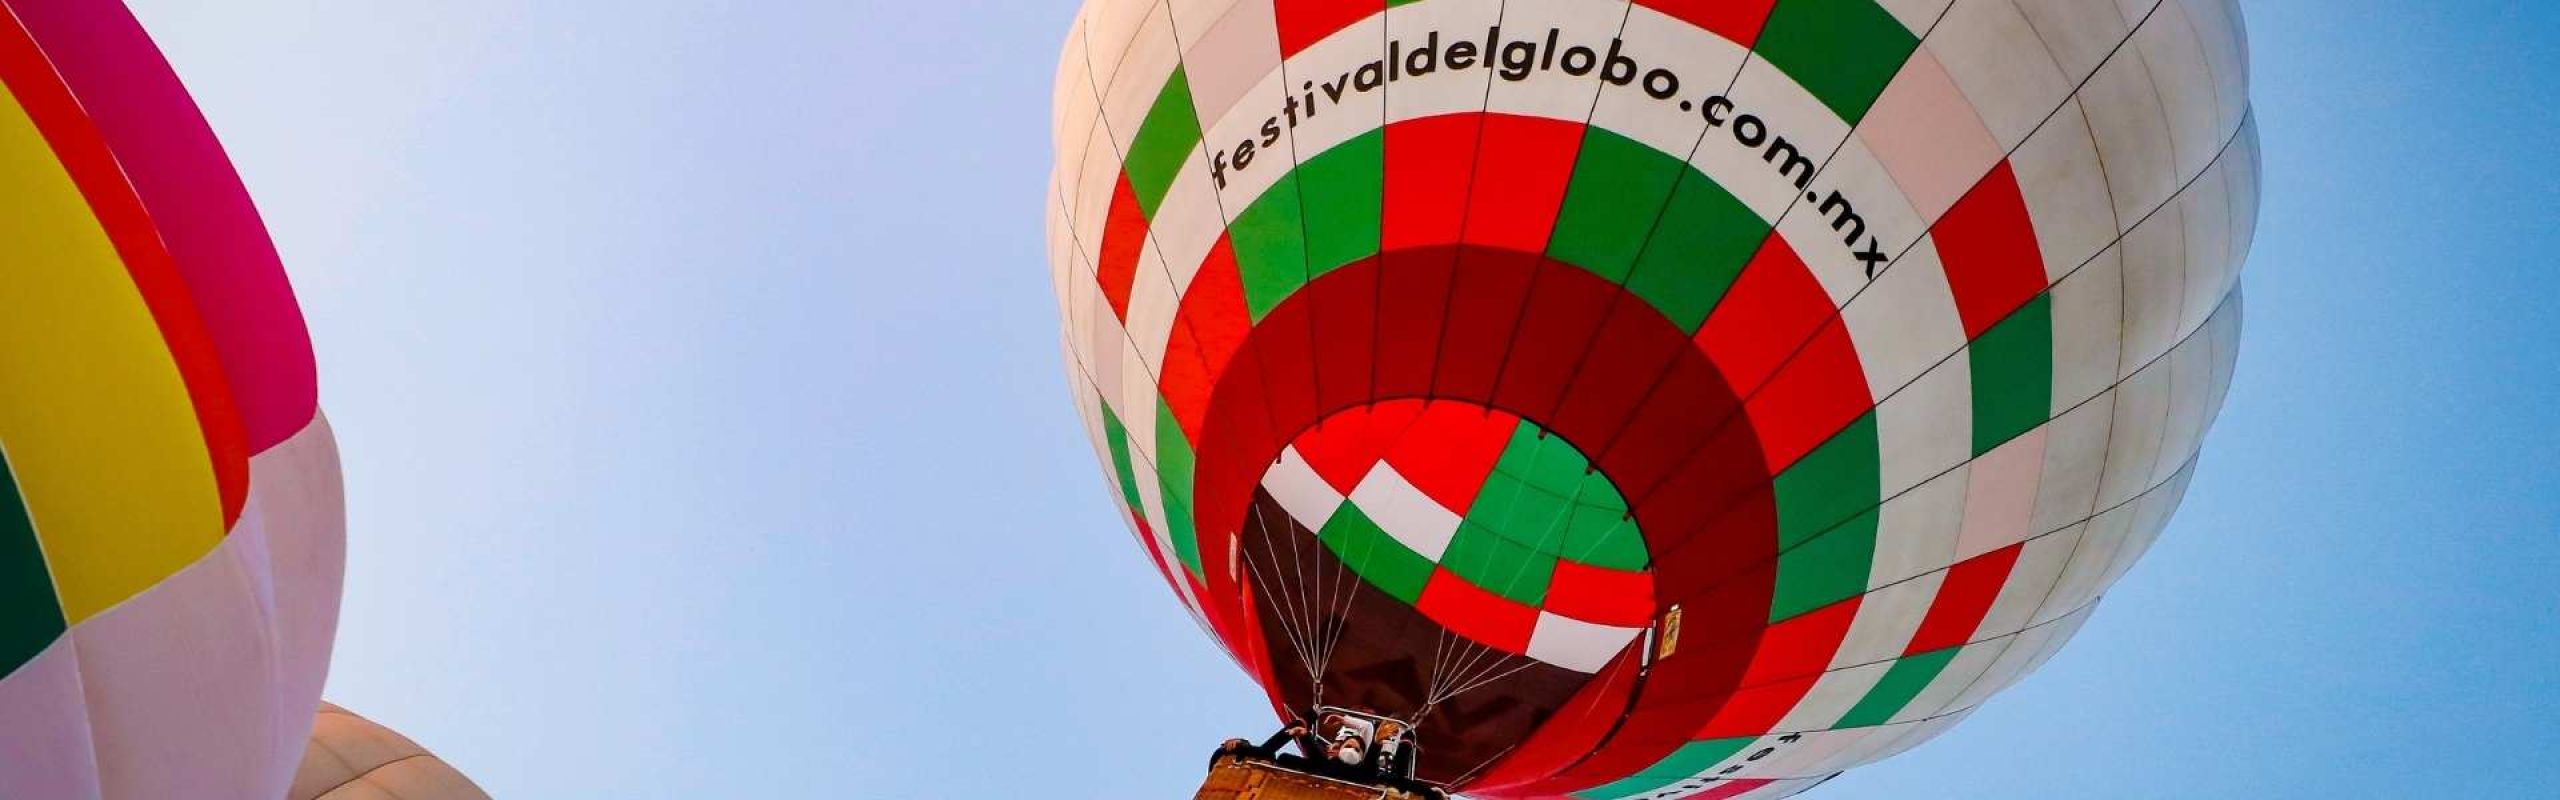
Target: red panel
x=1345 y=317
x=1728 y=791
x=1521 y=174
x=1988 y=244
x=1545 y=351
x=1621 y=370
x=1344 y=446
x=1601 y=595
x=1305 y=22
x=1672 y=429
x=1483 y=616
x=1741 y=537
x=1429 y=164
x=1757 y=710
x=1804 y=645
x=1738 y=20
x=1208 y=328
x=1409 y=339
x=1774 y=304
x=1449 y=449
x=1484 y=307
x=1964 y=600
x=1284 y=344
x=1124 y=236
x=1812 y=397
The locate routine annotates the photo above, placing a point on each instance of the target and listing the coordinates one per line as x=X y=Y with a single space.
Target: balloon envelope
x=353 y=758
x=1656 y=399
x=171 y=523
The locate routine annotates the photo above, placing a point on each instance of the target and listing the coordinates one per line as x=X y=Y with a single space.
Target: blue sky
x=697 y=377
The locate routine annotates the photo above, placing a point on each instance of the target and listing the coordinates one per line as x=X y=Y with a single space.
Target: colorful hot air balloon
x=172 y=531
x=353 y=758
x=1676 y=398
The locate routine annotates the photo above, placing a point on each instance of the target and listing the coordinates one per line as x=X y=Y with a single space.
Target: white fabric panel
x=44 y=744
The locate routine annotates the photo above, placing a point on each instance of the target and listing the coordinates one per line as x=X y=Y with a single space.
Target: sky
x=696 y=372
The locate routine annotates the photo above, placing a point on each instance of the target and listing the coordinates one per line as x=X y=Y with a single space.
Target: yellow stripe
x=93 y=412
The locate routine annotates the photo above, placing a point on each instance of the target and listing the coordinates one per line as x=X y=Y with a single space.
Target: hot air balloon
x=1668 y=398
x=172 y=530
x=353 y=758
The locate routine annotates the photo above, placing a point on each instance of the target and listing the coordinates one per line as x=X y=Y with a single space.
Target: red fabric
x=1988 y=244
x=1963 y=600
x=1816 y=394
x=1601 y=595
x=1211 y=324
x=1791 y=659
x=1533 y=158
x=1485 y=617
x=1124 y=236
x=1430 y=162
x=1738 y=20
x=1449 y=451
x=1345 y=446
x=1773 y=306
x=1304 y=22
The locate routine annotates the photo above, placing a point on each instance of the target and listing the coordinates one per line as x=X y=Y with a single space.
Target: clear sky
x=705 y=435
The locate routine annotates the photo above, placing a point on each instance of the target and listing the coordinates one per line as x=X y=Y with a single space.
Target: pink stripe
x=195 y=200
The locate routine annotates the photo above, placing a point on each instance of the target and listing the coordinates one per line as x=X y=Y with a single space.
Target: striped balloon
x=172 y=531
x=1667 y=398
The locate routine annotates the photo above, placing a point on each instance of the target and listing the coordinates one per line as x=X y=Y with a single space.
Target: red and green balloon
x=1669 y=398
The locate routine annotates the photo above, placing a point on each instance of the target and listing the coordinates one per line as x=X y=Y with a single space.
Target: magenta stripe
x=196 y=201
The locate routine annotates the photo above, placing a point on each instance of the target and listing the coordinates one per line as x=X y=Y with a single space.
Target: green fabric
x=30 y=615
x=1320 y=216
x=1643 y=219
x=1831 y=484
x=1691 y=759
x=1618 y=190
x=2013 y=375
x=1900 y=684
x=1499 y=565
x=1121 y=467
x=1830 y=568
x=1165 y=141
x=1705 y=239
x=1844 y=51
x=1174 y=464
x=1378 y=558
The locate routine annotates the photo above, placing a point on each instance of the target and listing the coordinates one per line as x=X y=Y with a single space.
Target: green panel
x=1271 y=247
x=1546 y=462
x=1379 y=558
x=1689 y=760
x=30 y=614
x=1531 y=517
x=1901 y=683
x=1705 y=238
x=1831 y=484
x=1343 y=190
x=2013 y=375
x=1604 y=537
x=1830 y=568
x=1118 y=436
x=1844 y=51
x=1499 y=565
x=1164 y=142
x=1174 y=464
x=1618 y=189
